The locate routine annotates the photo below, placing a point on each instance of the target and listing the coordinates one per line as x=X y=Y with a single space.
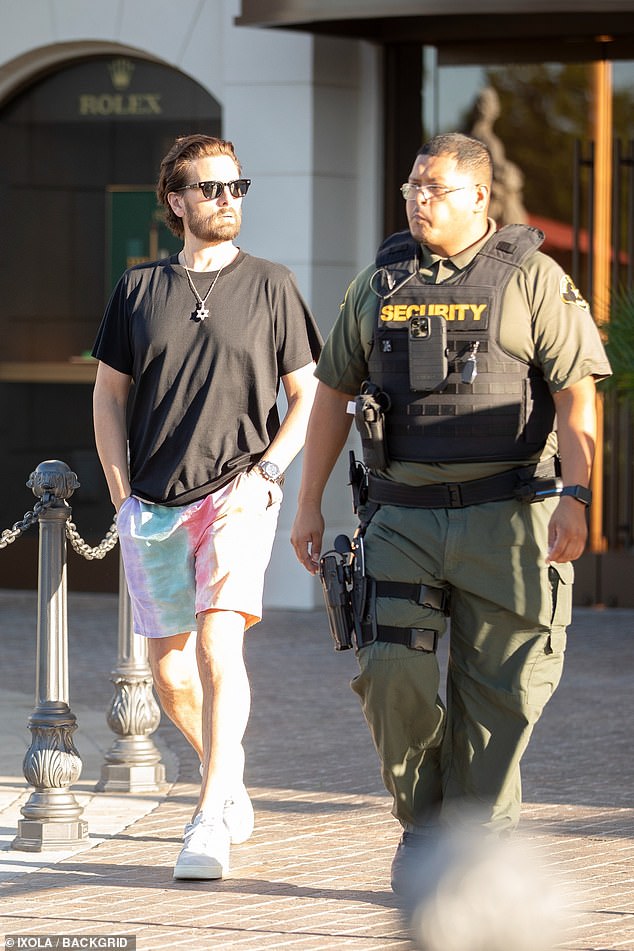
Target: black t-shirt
x=203 y=404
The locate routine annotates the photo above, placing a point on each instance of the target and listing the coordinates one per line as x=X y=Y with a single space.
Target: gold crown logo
x=121 y=72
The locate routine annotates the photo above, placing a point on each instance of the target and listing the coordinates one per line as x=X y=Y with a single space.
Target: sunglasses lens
x=239 y=188
x=211 y=189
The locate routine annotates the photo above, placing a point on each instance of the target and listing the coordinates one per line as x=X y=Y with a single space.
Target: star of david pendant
x=201 y=312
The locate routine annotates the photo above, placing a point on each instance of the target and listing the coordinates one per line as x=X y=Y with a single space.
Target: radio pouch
x=370 y=407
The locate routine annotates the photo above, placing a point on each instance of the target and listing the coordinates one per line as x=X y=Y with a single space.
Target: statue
x=507 y=205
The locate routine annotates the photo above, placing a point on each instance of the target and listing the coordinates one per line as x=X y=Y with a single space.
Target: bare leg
x=226 y=705
x=202 y=677
x=202 y=685
x=177 y=683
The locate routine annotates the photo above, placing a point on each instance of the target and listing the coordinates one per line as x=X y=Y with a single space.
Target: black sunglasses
x=237 y=188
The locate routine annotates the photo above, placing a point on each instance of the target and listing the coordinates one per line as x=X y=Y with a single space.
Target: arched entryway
x=82 y=145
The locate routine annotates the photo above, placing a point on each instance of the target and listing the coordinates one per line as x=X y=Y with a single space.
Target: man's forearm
x=300 y=391
x=576 y=431
x=112 y=449
x=328 y=430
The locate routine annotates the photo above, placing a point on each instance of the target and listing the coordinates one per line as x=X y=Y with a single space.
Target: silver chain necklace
x=201 y=310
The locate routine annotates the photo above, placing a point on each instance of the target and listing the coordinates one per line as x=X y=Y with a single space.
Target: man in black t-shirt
x=191 y=352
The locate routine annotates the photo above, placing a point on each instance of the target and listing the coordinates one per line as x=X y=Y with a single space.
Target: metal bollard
x=133 y=763
x=52 y=764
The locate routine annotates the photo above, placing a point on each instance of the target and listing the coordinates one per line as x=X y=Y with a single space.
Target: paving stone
x=315 y=874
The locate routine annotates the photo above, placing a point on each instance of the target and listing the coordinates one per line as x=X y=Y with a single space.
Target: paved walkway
x=315 y=873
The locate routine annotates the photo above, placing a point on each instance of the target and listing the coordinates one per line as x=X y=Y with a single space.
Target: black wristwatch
x=578 y=492
x=269 y=470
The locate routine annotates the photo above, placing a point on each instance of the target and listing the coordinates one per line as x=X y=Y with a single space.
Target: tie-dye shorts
x=211 y=554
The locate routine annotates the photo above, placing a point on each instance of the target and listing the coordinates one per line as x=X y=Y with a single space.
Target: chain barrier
x=82 y=548
x=107 y=543
x=9 y=535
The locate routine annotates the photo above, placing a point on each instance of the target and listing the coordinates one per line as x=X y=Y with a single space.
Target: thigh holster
x=416 y=638
x=350 y=597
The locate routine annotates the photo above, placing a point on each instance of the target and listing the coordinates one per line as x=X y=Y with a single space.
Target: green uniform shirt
x=545 y=321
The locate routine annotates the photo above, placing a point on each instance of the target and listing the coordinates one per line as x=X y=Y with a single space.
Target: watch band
x=269 y=470
x=578 y=492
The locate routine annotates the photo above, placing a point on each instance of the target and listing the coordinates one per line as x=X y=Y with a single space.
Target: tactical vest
x=453 y=393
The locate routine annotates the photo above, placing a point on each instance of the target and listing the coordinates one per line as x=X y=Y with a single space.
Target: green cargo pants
x=509 y=613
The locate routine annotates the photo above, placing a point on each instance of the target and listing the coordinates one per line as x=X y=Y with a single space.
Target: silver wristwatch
x=269 y=471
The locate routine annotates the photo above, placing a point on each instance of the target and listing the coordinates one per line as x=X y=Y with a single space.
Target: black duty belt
x=452 y=495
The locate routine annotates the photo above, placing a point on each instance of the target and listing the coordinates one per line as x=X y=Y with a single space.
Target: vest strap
x=422 y=594
x=423 y=639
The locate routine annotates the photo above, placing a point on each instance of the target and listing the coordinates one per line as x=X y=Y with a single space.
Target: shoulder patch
x=571 y=294
x=345 y=296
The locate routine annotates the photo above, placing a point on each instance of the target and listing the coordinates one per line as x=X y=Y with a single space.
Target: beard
x=419 y=229
x=217 y=226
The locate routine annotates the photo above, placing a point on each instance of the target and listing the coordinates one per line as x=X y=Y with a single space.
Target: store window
x=539 y=120
x=536 y=119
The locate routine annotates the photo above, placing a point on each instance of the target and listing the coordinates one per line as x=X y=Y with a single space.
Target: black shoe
x=407 y=862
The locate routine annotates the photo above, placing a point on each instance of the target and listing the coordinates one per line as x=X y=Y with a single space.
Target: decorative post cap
x=55 y=477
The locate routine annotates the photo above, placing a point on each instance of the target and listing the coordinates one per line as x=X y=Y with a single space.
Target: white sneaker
x=238 y=815
x=205 y=852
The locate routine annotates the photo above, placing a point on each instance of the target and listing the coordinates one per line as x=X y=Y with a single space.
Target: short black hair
x=470 y=154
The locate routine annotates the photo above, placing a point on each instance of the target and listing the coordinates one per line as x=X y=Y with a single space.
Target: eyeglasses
x=237 y=188
x=410 y=191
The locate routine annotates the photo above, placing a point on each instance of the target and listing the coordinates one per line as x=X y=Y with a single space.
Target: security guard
x=469 y=360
